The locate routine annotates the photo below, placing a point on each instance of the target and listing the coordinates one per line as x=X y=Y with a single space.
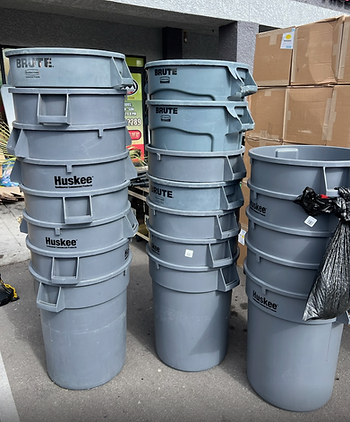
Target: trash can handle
x=130 y=224
x=248 y=86
x=219 y=233
x=225 y=203
x=130 y=169
x=223 y=285
x=240 y=123
x=221 y=262
x=53 y=120
x=235 y=172
x=328 y=186
x=61 y=279
x=42 y=302
x=12 y=143
x=121 y=77
x=78 y=219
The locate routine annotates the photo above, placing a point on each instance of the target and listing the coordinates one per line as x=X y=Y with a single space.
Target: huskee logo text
x=272 y=306
x=258 y=208
x=73 y=182
x=60 y=243
x=34 y=62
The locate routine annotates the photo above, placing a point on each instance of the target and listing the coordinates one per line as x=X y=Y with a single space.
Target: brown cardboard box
x=339 y=122
x=344 y=62
x=267 y=108
x=307 y=115
x=243 y=219
x=242 y=246
x=316 y=54
x=273 y=56
x=254 y=143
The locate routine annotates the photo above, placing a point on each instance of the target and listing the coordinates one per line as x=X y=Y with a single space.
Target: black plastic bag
x=330 y=293
x=315 y=204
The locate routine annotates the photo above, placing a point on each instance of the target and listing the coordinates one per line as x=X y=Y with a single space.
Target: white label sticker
x=310 y=221
x=188 y=253
x=288 y=40
x=241 y=237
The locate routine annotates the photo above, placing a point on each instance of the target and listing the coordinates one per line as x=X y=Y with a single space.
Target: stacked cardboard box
x=303 y=75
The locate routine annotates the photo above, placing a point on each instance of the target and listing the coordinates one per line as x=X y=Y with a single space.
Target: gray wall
x=31 y=29
x=20 y=28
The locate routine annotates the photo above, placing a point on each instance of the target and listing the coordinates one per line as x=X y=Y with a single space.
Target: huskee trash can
x=290 y=363
x=84 y=329
x=70 y=139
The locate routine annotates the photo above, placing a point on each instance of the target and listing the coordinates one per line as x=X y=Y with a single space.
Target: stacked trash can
x=197 y=116
x=291 y=363
x=70 y=140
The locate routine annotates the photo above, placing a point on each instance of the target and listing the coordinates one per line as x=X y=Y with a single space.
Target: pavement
x=146 y=390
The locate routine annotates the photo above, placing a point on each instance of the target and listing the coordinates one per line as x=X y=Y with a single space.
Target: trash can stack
x=197 y=115
x=70 y=140
x=291 y=363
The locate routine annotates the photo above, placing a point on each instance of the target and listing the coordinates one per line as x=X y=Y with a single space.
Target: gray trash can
x=198 y=196
x=198 y=126
x=193 y=224
x=70 y=140
x=191 y=313
x=186 y=166
x=199 y=80
x=290 y=363
x=39 y=142
x=84 y=330
x=68 y=67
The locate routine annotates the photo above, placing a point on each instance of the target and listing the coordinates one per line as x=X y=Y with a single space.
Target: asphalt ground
x=146 y=389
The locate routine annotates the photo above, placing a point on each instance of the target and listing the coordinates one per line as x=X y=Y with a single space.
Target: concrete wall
x=278 y=13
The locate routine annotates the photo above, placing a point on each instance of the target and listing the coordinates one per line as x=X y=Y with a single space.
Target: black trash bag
x=315 y=204
x=330 y=293
x=7 y=293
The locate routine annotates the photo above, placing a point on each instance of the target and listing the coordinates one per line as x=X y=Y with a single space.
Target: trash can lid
x=66 y=51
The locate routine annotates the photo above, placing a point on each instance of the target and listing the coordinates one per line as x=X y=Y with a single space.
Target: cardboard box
x=339 y=122
x=273 y=57
x=267 y=109
x=243 y=219
x=316 y=54
x=344 y=62
x=254 y=143
x=242 y=246
x=307 y=115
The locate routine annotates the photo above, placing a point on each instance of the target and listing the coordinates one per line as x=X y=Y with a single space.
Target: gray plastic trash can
x=199 y=80
x=68 y=67
x=78 y=175
x=84 y=144
x=186 y=166
x=191 y=313
x=76 y=207
x=199 y=196
x=84 y=330
x=61 y=108
x=198 y=126
x=72 y=267
x=290 y=363
x=193 y=224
